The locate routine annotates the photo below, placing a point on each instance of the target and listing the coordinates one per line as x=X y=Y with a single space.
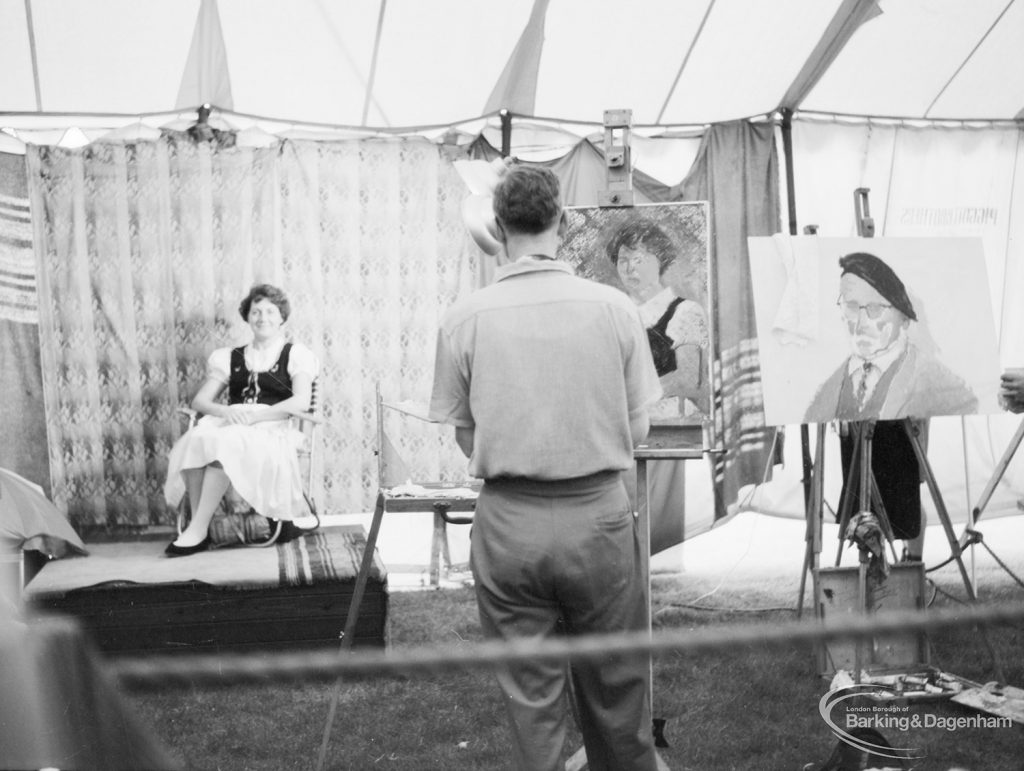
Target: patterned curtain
x=145 y=250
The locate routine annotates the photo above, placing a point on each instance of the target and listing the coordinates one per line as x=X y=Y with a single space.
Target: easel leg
x=869 y=496
x=643 y=506
x=348 y=635
x=940 y=507
x=862 y=605
x=846 y=510
x=990 y=488
x=815 y=507
x=438 y=544
x=947 y=526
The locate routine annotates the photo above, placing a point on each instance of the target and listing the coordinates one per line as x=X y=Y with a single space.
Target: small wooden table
x=441 y=498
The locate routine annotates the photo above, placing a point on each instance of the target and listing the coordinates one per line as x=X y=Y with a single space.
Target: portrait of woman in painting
x=666 y=287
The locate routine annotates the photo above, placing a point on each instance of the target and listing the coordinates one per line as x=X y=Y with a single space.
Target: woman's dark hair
x=642 y=233
x=266 y=292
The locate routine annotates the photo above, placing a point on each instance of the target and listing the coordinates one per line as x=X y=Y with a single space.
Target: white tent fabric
x=395 y=63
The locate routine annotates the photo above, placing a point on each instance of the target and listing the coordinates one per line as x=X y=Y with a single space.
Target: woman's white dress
x=261 y=459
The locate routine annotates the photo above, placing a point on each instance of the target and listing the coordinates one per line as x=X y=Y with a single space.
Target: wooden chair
x=252 y=532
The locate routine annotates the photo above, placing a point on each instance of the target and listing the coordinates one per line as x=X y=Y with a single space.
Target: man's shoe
x=185 y=551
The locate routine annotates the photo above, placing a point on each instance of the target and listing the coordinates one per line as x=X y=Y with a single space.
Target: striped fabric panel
x=324 y=556
x=748 y=443
x=18 y=300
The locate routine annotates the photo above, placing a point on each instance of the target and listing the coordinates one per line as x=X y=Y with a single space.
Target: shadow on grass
x=746 y=708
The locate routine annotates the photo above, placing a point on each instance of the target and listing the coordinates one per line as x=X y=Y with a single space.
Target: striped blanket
x=324 y=556
x=331 y=554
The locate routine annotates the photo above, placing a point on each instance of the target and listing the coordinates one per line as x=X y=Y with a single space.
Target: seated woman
x=248 y=443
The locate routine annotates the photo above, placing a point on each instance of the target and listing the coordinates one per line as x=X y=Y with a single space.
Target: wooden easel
x=869 y=490
x=676 y=443
x=814 y=489
x=686 y=441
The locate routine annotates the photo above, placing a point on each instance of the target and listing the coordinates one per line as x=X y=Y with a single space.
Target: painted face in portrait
x=638 y=270
x=265 y=319
x=871 y=321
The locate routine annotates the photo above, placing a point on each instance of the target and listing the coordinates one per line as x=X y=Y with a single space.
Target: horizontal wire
x=231 y=669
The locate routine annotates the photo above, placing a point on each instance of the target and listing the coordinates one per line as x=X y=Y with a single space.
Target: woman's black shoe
x=185 y=551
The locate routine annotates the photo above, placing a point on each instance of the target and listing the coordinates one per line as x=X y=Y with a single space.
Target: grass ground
x=729 y=709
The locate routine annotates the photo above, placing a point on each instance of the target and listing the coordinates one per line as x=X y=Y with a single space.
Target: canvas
x=873 y=328
x=658 y=255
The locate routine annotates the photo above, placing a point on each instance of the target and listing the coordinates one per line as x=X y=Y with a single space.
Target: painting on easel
x=873 y=328
x=657 y=254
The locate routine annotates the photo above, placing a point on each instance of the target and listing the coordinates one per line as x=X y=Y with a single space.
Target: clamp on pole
x=865 y=225
x=618 y=159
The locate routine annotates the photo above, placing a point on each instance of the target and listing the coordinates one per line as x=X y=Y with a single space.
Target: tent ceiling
x=437 y=61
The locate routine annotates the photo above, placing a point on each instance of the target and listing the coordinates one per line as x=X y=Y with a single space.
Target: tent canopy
x=408 y=63
x=74 y=71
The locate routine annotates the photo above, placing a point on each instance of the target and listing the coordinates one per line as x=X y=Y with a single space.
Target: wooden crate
x=837 y=594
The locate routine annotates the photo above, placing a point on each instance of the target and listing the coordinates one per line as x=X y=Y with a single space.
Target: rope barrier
x=220 y=670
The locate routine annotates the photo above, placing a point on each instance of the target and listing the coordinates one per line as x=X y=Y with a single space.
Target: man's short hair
x=527 y=200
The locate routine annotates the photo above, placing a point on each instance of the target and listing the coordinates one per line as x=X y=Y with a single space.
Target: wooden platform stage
x=131 y=598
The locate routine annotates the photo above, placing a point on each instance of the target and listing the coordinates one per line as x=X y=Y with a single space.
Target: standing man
x=547 y=378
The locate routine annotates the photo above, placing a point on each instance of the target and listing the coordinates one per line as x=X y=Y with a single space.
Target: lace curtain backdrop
x=145 y=250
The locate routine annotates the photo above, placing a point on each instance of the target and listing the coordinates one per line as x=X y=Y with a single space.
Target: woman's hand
x=205 y=401
x=233 y=416
x=1011 y=390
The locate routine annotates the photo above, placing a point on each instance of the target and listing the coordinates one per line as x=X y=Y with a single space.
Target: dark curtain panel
x=737 y=171
x=23 y=449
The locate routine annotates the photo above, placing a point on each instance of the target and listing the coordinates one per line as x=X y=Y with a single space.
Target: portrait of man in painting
x=886 y=376
x=658 y=255
x=878 y=338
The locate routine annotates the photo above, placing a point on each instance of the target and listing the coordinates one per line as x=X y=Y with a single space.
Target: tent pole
x=373 y=61
x=810 y=508
x=30 y=28
x=506 y=133
x=787 y=151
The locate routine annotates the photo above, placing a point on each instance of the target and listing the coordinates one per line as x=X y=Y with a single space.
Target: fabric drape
x=147 y=248
x=737 y=172
x=21 y=409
